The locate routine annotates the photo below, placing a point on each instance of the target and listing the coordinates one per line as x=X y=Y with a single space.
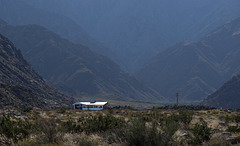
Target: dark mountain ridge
x=228 y=96
x=17 y=12
x=196 y=69
x=20 y=85
x=137 y=30
x=74 y=68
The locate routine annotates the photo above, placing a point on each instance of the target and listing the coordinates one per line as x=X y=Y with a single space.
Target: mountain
x=196 y=69
x=17 y=12
x=73 y=68
x=137 y=30
x=228 y=96
x=20 y=85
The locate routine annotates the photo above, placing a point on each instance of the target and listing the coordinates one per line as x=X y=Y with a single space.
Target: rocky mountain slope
x=228 y=96
x=17 y=12
x=196 y=69
x=139 y=29
x=74 y=68
x=20 y=85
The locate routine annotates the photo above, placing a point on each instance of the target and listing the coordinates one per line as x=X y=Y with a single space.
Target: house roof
x=91 y=103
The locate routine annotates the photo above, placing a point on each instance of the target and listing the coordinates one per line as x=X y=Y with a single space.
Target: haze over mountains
x=20 y=85
x=17 y=12
x=137 y=30
x=74 y=68
x=196 y=69
x=63 y=41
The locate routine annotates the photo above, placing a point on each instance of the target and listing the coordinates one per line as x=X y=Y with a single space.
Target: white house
x=95 y=106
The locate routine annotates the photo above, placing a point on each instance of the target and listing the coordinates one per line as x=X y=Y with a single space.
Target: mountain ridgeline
x=228 y=96
x=21 y=86
x=136 y=30
x=74 y=68
x=58 y=38
x=197 y=69
x=17 y=12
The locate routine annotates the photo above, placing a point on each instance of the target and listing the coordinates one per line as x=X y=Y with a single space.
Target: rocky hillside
x=17 y=12
x=228 y=96
x=196 y=69
x=21 y=85
x=73 y=68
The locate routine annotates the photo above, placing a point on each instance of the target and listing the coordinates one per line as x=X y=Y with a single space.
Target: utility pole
x=177 y=94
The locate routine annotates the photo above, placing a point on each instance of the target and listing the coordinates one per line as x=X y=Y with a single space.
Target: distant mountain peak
x=198 y=68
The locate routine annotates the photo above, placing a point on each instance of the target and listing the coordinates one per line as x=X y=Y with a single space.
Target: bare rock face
x=20 y=85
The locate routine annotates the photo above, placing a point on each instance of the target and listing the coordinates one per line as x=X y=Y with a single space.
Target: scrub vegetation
x=119 y=126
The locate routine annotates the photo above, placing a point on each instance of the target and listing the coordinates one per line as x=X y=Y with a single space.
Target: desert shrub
x=141 y=135
x=16 y=129
x=82 y=139
x=154 y=137
x=170 y=125
x=93 y=124
x=232 y=118
x=233 y=129
x=135 y=135
x=185 y=116
x=70 y=127
x=101 y=123
x=147 y=118
x=4 y=141
x=86 y=142
x=25 y=109
x=217 y=142
x=61 y=110
x=201 y=133
x=237 y=118
x=117 y=135
x=48 y=130
x=110 y=111
x=227 y=119
x=28 y=142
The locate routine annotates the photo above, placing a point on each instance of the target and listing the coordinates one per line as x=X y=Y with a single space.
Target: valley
x=75 y=69
x=159 y=49
x=138 y=72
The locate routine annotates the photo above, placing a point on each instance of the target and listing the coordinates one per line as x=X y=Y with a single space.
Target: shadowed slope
x=74 y=68
x=21 y=85
x=196 y=69
x=228 y=96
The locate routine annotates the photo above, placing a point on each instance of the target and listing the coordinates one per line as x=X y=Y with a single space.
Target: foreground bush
x=233 y=129
x=141 y=135
x=71 y=127
x=15 y=129
x=201 y=133
x=185 y=116
x=101 y=123
x=48 y=130
x=93 y=124
x=232 y=118
x=170 y=125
